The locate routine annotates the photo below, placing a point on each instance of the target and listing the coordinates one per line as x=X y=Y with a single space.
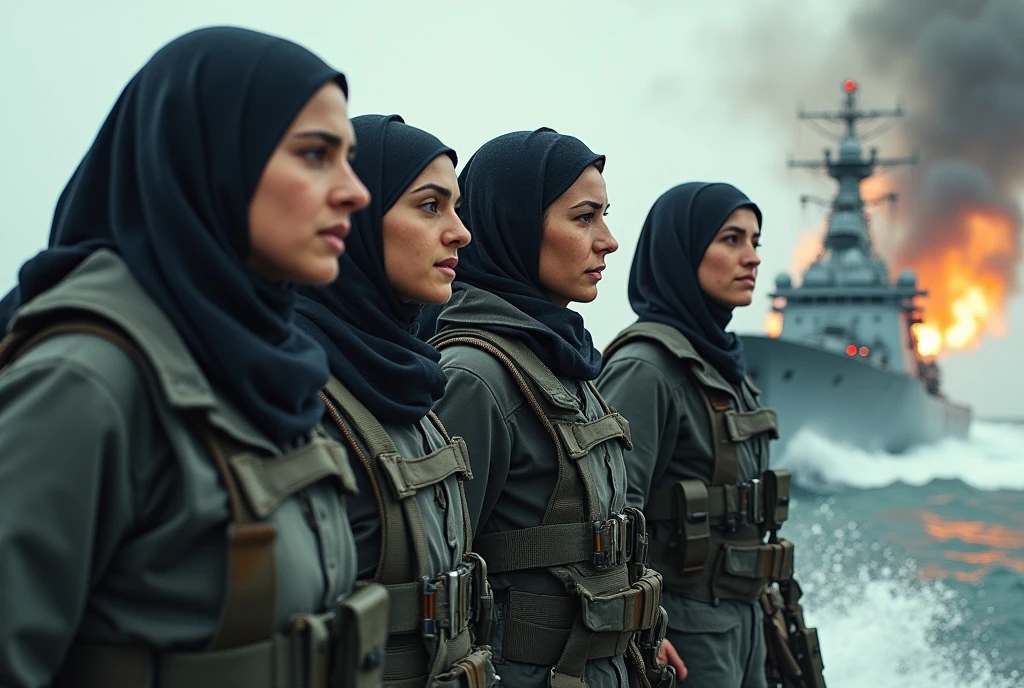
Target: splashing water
x=992 y=457
x=891 y=608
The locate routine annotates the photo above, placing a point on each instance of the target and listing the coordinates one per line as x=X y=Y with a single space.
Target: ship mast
x=847 y=301
x=849 y=170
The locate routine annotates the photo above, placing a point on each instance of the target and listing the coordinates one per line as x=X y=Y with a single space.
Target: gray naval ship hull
x=847 y=400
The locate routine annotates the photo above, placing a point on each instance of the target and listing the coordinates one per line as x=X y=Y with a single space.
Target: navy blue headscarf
x=506 y=187
x=167 y=185
x=663 y=284
x=368 y=332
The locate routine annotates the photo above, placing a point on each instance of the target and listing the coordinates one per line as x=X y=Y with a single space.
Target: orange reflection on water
x=931 y=572
x=998 y=538
x=972 y=532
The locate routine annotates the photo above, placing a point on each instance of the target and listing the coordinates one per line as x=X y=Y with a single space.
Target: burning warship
x=844 y=357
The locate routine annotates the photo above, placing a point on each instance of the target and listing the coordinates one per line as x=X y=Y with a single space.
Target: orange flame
x=966 y=295
x=808 y=248
x=773 y=324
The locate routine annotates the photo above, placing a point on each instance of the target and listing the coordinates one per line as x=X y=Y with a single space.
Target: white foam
x=992 y=457
x=883 y=634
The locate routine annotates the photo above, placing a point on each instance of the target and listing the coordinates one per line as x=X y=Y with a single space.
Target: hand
x=668 y=655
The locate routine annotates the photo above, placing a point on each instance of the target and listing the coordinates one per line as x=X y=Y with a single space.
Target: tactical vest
x=448 y=612
x=341 y=647
x=708 y=540
x=580 y=587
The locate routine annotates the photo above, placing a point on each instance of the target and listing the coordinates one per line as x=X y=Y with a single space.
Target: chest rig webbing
x=708 y=540
x=448 y=612
x=341 y=648
x=580 y=587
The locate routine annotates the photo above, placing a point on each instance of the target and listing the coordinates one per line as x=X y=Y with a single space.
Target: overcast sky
x=651 y=83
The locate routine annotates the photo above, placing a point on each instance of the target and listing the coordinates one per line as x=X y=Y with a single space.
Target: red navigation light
x=864 y=351
x=850 y=85
x=851 y=350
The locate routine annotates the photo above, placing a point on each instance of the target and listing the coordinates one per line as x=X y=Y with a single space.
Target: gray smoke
x=959 y=66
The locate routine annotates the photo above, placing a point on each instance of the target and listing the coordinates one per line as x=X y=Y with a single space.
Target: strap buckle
x=621 y=538
x=639 y=541
x=429 y=608
x=457 y=598
x=749 y=505
x=611 y=542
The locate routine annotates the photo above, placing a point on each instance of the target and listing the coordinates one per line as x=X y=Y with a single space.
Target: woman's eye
x=317 y=155
x=430 y=206
x=585 y=218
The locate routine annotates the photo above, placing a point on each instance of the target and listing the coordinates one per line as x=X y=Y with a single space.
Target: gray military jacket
x=672 y=441
x=440 y=504
x=514 y=460
x=112 y=515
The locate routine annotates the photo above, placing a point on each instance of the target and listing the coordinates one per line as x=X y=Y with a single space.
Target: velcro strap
x=409 y=475
x=580 y=437
x=773 y=561
x=266 y=482
x=538 y=547
x=742 y=425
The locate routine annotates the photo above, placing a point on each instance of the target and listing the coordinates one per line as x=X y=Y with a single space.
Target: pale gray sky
x=639 y=80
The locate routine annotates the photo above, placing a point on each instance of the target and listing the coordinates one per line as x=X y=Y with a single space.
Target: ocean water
x=913 y=566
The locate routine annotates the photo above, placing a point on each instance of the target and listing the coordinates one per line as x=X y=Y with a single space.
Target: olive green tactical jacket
x=112 y=516
x=672 y=441
x=513 y=458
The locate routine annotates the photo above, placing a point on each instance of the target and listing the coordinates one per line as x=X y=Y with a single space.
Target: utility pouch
x=776 y=498
x=694 y=524
x=362 y=623
x=475 y=670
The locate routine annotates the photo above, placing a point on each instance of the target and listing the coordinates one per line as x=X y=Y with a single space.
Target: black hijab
x=167 y=185
x=506 y=187
x=368 y=332
x=663 y=285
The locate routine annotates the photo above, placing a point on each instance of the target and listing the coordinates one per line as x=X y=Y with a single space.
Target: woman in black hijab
x=519 y=366
x=384 y=380
x=698 y=431
x=141 y=458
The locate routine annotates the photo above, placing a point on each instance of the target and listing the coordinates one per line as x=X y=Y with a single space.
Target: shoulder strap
x=250 y=598
x=717 y=402
x=399 y=516
x=568 y=488
x=727 y=466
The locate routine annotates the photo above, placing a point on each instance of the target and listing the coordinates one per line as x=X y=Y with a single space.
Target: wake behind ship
x=845 y=362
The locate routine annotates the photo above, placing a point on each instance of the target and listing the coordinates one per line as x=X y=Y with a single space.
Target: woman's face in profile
x=301 y=210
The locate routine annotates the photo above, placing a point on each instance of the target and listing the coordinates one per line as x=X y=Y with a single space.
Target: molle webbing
x=395 y=480
x=545 y=623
